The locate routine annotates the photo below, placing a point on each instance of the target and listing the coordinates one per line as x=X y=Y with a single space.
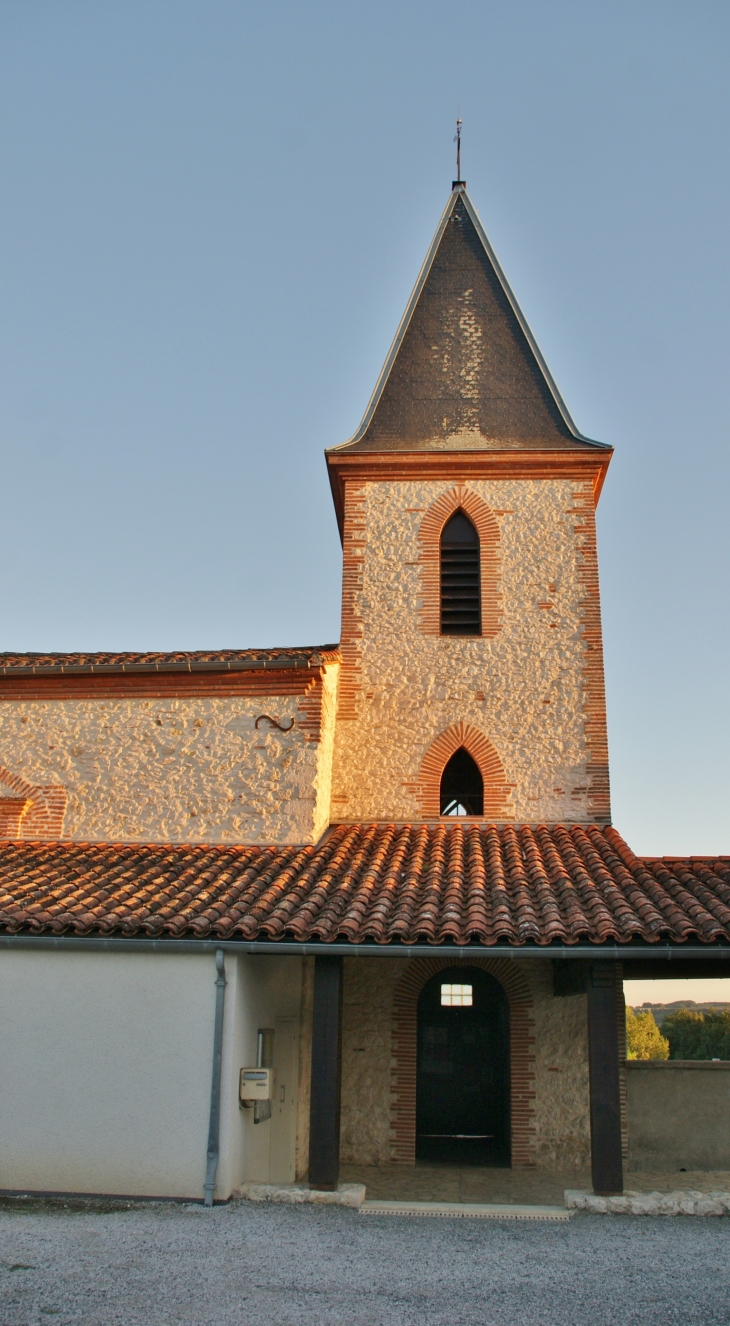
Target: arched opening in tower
x=462 y=786
x=461 y=608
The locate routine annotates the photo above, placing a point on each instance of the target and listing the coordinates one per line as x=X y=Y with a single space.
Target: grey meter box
x=254 y=1084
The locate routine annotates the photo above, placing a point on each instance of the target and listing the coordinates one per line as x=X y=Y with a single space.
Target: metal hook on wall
x=274 y=723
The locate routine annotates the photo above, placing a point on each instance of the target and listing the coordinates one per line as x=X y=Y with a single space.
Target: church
x=267 y=912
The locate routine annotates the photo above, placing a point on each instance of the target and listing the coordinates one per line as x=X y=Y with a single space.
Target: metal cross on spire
x=457 y=140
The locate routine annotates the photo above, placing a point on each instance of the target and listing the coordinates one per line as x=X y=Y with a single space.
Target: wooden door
x=462 y=1092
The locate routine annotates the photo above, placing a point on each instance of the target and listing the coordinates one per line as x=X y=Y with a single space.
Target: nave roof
x=383 y=884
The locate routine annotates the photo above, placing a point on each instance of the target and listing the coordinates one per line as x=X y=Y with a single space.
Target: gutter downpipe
x=215 y=1085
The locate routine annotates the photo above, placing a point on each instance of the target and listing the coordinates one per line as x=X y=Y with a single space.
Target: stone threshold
x=296 y=1194
x=690 y=1202
x=681 y=1202
x=461 y=1210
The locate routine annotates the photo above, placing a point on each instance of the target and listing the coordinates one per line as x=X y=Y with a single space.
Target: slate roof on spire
x=464 y=372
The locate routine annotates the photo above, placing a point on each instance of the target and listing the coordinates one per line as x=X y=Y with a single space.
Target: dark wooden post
x=606 y=1160
x=324 y=1112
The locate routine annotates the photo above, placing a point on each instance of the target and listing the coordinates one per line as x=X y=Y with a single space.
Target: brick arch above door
x=403 y=1055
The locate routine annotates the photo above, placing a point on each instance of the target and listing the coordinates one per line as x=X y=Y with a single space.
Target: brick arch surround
x=28 y=812
x=463 y=499
x=496 y=789
x=403 y=1050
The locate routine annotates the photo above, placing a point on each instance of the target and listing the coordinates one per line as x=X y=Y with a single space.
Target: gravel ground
x=307 y=1267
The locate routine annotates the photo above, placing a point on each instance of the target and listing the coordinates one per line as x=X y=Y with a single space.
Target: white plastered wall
x=530 y=675
x=106 y=1070
x=177 y=770
x=263 y=992
x=107 y=1063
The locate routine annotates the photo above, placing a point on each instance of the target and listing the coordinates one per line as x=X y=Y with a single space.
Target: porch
x=425 y=1182
x=570 y=1123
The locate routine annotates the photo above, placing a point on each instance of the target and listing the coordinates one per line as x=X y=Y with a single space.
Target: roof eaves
x=263 y=662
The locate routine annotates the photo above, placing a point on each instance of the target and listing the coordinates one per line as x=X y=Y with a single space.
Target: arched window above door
x=435 y=774
x=461 y=606
x=462 y=786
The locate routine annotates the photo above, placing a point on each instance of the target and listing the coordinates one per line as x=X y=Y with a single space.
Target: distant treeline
x=662 y=1011
x=685 y=1034
x=694 y=1035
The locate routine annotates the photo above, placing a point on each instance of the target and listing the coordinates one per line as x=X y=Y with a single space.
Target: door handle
x=283 y=1092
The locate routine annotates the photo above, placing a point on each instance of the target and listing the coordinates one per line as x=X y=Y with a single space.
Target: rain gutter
x=596 y=952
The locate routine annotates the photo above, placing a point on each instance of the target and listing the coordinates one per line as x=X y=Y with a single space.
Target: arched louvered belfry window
x=462 y=786
x=461 y=600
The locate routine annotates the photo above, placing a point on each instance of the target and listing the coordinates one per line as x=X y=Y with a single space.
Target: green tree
x=693 y=1034
x=643 y=1037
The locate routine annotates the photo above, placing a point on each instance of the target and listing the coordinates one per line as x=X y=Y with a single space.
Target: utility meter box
x=254 y=1084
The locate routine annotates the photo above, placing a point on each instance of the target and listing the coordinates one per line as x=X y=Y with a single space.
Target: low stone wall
x=678 y=1114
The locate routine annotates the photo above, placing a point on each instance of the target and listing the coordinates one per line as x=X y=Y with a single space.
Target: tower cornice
x=456 y=466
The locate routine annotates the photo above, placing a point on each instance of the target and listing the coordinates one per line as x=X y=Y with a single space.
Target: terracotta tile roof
x=429 y=883
x=180 y=660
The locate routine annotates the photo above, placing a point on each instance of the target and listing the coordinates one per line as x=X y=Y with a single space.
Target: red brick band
x=594 y=687
x=621 y=1022
x=160 y=685
x=353 y=563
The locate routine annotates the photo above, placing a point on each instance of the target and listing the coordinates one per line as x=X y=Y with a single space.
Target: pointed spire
x=464 y=372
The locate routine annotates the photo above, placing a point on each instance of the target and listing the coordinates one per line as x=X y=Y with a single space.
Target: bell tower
x=472 y=676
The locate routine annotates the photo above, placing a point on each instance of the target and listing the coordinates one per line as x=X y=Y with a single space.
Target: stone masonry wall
x=525 y=688
x=177 y=770
x=562 y=1120
x=562 y=1105
x=367 y=1009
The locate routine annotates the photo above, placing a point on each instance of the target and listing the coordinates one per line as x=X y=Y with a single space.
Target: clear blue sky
x=211 y=218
